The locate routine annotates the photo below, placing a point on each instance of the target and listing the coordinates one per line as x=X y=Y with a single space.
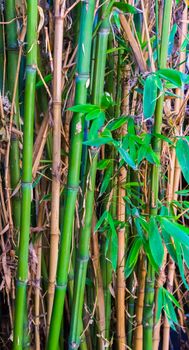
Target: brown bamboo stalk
x=138 y=334
x=56 y=167
x=161 y=277
x=100 y=307
x=177 y=174
x=121 y=334
x=40 y=144
x=150 y=53
x=38 y=249
x=134 y=44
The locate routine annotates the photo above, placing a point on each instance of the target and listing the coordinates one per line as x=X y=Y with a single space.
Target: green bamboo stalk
x=12 y=61
x=83 y=249
x=150 y=278
x=22 y=271
x=82 y=77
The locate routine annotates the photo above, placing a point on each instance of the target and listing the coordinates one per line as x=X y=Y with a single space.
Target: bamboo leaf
x=180 y=263
x=93 y=114
x=149 y=96
x=106 y=180
x=117 y=123
x=106 y=101
x=103 y=164
x=133 y=256
x=171 y=75
x=126 y=157
x=46 y=79
x=114 y=241
x=182 y=153
x=177 y=231
x=160 y=301
x=170 y=311
x=84 y=108
x=185 y=250
x=125 y=7
x=169 y=245
x=172 y=298
x=97 y=142
x=100 y=221
x=155 y=242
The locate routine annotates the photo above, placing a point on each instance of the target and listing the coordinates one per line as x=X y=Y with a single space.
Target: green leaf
x=169 y=310
x=180 y=263
x=182 y=192
x=160 y=300
x=171 y=75
x=172 y=38
x=172 y=298
x=151 y=156
x=185 y=43
x=100 y=221
x=85 y=108
x=155 y=242
x=164 y=138
x=93 y=114
x=126 y=8
x=185 y=251
x=182 y=153
x=96 y=125
x=103 y=163
x=40 y=83
x=127 y=158
x=99 y=141
x=117 y=22
x=133 y=256
x=178 y=232
x=106 y=101
x=149 y=96
x=114 y=242
x=169 y=245
x=106 y=180
x=116 y=124
x=149 y=255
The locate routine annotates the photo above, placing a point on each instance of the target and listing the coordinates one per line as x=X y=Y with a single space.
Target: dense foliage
x=94 y=174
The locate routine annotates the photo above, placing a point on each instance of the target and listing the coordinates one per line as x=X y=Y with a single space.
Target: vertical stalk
x=121 y=216
x=83 y=249
x=82 y=77
x=150 y=278
x=100 y=309
x=12 y=62
x=176 y=170
x=56 y=166
x=22 y=271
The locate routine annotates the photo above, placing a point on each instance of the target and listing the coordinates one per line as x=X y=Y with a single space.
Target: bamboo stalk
x=83 y=249
x=12 y=62
x=38 y=248
x=150 y=278
x=56 y=166
x=177 y=174
x=22 y=271
x=138 y=334
x=82 y=76
x=100 y=308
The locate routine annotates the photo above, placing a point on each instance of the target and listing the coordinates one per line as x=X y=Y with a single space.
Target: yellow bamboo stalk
x=56 y=167
x=100 y=306
x=38 y=249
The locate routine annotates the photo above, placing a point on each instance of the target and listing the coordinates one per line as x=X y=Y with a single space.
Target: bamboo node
x=61 y=286
x=26 y=184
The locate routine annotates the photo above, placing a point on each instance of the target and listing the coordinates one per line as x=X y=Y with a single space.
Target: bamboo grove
x=94 y=174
